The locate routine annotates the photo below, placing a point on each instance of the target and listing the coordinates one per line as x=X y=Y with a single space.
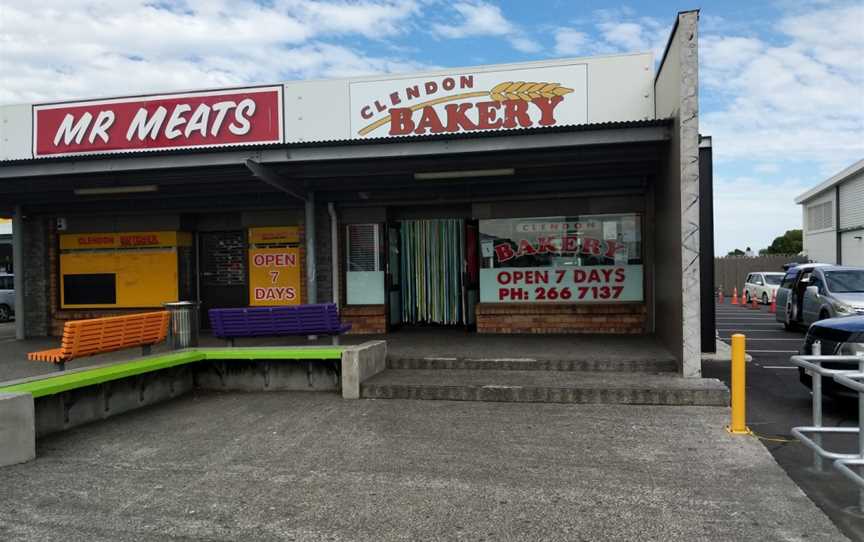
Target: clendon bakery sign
x=168 y=121
x=465 y=102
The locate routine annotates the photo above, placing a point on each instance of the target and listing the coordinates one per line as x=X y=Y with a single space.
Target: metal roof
x=832 y=181
x=345 y=142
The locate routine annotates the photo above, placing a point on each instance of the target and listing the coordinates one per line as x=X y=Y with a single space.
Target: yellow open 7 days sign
x=274 y=276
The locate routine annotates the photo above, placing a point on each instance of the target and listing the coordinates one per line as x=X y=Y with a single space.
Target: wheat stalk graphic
x=508 y=90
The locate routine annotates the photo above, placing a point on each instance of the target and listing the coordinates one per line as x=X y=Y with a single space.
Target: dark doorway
x=393 y=285
x=222 y=271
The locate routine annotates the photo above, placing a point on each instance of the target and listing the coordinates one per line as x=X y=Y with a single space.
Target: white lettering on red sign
x=568 y=284
x=231 y=117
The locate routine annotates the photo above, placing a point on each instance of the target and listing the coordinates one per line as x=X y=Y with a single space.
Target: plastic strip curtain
x=432 y=257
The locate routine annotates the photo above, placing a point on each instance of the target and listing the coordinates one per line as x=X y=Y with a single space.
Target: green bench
x=81 y=378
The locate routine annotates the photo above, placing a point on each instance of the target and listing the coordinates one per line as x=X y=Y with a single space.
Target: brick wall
x=37 y=276
x=622 y=318
x=365 y=319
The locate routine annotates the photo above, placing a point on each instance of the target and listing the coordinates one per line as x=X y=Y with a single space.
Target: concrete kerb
x=723 y=353
x=17 y=428
x=360 y=363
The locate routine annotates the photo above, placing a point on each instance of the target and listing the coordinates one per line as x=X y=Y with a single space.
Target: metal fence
x=811 y=435
x=731 y=271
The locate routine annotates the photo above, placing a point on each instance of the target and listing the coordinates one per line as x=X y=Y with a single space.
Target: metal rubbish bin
x=183 y=332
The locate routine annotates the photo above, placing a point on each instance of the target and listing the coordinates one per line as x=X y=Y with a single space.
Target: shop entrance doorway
x=432 y=272
x=222 y=276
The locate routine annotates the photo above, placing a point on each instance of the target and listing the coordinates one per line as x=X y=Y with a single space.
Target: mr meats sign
x=465 y=102
x=169 y=121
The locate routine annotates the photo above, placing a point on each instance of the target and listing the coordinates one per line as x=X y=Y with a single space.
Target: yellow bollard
x=739 y=388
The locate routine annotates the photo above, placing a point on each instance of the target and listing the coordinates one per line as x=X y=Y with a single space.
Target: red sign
x=170 y=121
x=558 y=245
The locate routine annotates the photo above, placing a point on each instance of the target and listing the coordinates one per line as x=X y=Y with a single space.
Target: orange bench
x=83 y=338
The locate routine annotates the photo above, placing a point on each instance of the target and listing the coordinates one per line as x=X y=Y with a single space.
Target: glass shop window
x=364 y=281
x=562 y=241
x=576 y=259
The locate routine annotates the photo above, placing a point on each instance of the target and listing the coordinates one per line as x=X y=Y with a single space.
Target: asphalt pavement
x=313 y=466
x=7 y=332
x=777 y=401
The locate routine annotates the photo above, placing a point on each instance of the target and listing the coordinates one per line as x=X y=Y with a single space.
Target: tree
x=791 y=242
x=736 y=252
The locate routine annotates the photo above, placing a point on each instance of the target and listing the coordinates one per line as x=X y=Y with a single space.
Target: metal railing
x=851 y=378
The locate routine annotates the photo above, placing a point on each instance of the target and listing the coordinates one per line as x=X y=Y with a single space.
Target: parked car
x=7 y=297
x=762 y=286
x=813 y=292
x=838 y=336
x=790 y=294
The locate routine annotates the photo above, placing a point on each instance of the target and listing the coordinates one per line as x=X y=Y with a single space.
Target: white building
x=833 y=218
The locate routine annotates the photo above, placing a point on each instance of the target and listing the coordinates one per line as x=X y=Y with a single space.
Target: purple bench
x=320 y=319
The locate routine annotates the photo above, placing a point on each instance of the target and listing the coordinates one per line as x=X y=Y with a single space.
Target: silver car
x=810 y=293
x=834 y=292
x=7 y=298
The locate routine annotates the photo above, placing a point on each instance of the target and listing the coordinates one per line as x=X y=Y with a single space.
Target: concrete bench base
x=360 y=364
x=38 y=406
x=17 y=422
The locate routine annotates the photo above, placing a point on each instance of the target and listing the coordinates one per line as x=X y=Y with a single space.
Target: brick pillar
x=36 y=270
x=322 y=253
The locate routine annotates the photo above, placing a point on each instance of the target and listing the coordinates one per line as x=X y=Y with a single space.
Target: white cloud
x=525 y=45
x=794 y=101
x=614 y=31
x=570 y=42
x=369 y=19
x=480 y=18
x=799 y=96
x=65 y=49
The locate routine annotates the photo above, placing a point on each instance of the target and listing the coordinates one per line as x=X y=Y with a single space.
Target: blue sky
x=781 y=83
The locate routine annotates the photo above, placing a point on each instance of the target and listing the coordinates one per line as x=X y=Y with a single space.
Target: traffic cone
x=735 y=295
x=773 y=308
x=720 y=296
x=753 y=304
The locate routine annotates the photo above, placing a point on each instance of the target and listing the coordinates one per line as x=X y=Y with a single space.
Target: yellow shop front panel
x=118 y=278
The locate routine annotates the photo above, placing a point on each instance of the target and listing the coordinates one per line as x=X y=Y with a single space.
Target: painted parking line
x=739 y=323
x=757 y=327
x=745 y=314
x=758 y=330
x=750 y=320
x=754 y=330
x=766 y=339
x=750 y=338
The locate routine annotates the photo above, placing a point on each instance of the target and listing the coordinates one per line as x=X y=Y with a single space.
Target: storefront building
x=547 y=197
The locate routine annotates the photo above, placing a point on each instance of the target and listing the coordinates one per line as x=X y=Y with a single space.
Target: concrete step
x=545 y=387
x=650 y=365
